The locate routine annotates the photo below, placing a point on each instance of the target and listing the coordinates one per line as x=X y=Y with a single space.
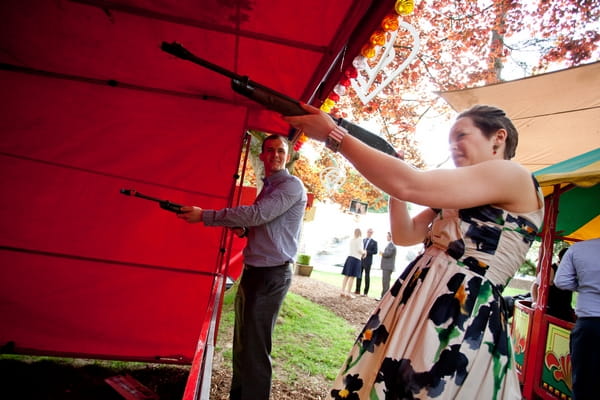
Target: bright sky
x=432 y=137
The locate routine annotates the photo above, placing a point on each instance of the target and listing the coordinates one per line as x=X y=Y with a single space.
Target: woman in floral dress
x=441 y=331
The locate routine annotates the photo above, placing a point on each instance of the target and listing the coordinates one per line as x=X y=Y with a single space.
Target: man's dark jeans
x=585 y=353
x=257 y=303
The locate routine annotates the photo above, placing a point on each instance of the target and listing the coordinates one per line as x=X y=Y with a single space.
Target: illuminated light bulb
x=404 y=7
x=390 y=23
x=360 y=62
x=329 y=103
x=339 y=89
x=378 y=38
x=334 y=97
x=368 y=51
x=345 y=82
x=303 y=138
x=351 y=72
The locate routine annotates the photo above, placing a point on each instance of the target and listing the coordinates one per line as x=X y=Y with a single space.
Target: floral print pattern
x=441 y=330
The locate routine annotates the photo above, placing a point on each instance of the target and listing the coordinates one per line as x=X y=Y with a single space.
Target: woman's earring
x=495 y=148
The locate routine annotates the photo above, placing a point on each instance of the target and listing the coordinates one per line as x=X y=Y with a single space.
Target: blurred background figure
x=370 y=247
x=559 y=300
x=352 y=265
x=388 y=263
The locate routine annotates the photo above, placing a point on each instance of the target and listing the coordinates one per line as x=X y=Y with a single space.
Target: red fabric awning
x=90 y=105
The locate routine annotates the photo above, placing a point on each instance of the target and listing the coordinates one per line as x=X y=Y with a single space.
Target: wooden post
x=538 y=328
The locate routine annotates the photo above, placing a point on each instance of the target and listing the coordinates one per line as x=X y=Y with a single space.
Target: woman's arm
x=499 y=182
x=407 y=230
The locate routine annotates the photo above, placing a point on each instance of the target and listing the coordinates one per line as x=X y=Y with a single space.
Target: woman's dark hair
x=489 y=119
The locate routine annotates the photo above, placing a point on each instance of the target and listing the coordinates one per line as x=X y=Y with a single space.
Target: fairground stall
x=541 y=341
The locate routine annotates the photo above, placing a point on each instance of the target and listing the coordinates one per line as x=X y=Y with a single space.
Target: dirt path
x=356 y=311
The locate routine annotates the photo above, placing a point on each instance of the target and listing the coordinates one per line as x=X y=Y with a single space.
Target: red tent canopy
x=90 y=105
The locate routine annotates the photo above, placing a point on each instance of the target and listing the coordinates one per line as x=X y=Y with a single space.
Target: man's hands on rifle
x=190 y=214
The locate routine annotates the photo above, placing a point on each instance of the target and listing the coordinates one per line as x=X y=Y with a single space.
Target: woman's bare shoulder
x=520 y=187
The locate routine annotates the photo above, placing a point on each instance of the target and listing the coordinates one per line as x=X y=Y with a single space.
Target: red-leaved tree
x=462 y=44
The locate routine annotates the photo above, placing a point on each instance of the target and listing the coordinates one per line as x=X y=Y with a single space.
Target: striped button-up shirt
x=274 y=220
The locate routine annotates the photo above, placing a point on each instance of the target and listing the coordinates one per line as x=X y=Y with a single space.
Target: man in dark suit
x=370 y=246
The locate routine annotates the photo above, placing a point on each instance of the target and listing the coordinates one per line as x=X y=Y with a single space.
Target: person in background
x=370 y=247
x=351 y=268
x=441 y=333
x=559 y=301
x=388 y=263
x=272 y=225
x=579 y=271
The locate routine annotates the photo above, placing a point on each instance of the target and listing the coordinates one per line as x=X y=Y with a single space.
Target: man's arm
x=193 y=214
x=566 y=275
x=266 y=209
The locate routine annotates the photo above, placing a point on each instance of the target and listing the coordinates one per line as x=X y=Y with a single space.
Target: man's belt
x=285 y=264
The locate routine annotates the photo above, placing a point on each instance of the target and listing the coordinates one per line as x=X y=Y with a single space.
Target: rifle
x=274 y=100
x=164 y=204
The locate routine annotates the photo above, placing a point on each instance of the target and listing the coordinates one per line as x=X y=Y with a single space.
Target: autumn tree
x=467 y=44
x=462 y=44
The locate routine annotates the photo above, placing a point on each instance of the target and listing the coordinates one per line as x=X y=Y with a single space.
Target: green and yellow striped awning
x=579 y=208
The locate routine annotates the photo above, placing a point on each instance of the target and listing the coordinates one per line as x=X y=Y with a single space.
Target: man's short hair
x=274 y=137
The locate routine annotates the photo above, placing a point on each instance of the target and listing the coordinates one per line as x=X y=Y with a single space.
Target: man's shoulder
x=586 y=243
x=286 y=179
x=296 y=180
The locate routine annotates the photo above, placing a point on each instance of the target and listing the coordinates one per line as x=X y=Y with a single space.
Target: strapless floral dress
x=441 y=330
